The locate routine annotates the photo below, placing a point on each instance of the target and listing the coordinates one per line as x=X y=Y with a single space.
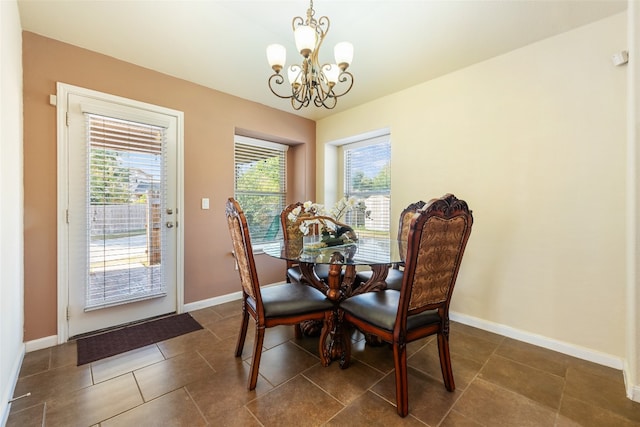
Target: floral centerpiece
x=312 y=219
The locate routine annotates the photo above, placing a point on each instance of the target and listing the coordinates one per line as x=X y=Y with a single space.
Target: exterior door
x=122 y=212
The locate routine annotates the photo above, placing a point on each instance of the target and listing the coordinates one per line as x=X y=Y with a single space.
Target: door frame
x=60 y=100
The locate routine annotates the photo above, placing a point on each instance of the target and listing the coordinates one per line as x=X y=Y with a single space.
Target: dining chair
x=395 y=273
x=437 y=238
x=280 y=304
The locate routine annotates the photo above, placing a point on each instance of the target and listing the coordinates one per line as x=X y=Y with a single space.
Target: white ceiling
x=221 y=44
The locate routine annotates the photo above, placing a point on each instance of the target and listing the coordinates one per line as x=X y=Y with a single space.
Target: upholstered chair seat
x=294 y=275
x=381 y=309
x=394 y=278
x=290 y=299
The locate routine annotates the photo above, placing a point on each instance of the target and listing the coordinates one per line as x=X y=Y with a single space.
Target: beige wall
x=211 y=118
x=534 y=141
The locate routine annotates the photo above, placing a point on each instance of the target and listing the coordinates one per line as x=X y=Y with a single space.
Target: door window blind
x=126 y=193
x=368 y=179
x=260 y=185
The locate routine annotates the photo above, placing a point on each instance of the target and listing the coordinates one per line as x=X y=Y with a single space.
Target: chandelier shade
x=311 y=81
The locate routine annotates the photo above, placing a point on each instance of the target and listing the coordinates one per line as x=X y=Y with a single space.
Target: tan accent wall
x=211 y=118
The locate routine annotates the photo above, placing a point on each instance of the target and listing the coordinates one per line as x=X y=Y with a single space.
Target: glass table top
x=366 y=251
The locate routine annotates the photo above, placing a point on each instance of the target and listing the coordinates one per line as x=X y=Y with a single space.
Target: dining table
x=344 y=260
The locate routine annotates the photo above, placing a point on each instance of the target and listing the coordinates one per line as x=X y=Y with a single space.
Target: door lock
x=169 y=224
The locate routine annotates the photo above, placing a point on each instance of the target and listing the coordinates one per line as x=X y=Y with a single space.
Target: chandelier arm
x=345 y=77
x=323 y=89
x=277 y=79
x=322 y=27
x=296 y=22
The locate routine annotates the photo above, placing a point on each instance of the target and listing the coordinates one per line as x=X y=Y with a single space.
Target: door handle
x=169 y=224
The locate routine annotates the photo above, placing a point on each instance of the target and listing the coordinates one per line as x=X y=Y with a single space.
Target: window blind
x=368 y=179
x=260 y=185
x=126 y=193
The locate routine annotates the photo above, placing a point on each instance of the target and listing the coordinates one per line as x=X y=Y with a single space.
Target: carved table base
x=334 y=341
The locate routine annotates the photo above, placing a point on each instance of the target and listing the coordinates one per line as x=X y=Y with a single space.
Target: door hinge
x=67 y=118
x=68 y=317
x=67 y=216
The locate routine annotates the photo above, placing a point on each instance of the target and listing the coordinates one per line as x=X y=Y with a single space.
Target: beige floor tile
x=35 y=362
x=591 y=368
x=371 y=410
x=602 y=392
x=378 y=357
x=283 y=362
x=206 y=316
x=172 y=374
x=345 y=385
x=277 y=335
x=472 y=346
x=228 y=309
x=222 y=355
x=429 y=400
x=239 y=417
x=119 y=364
x=33 y=416
x=64 y=354
x=228 y=327
x=457 y=327
x=536 y=357
x=193 y=341
x=541 y=386
x=214 y=400
x=456 y=419
x=295 y=403
x=175 y=409
x=588 y=415
x=492 y=405
x=89 y=406
x=50 y=384
x=427 y=360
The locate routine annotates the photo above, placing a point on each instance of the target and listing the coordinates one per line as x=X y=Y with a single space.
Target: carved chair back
x=243 y=252
x=437 y=238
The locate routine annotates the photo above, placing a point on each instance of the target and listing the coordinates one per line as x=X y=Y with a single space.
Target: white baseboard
x=633 y=391
x=41 y=343
x=219 y=300
x=10 y=386
x=540 y=341
x=212 y=301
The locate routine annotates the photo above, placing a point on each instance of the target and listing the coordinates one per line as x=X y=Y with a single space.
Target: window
x=125 y=195
x=367 y=178
x=260 y=185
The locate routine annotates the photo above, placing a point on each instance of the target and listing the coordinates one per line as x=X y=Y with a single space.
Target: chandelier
x=323 y=84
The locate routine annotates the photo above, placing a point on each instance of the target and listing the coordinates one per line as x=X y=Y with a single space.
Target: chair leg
x=445 y=362
x=297 y=331
x=243 y=333
x=402 y=387
x=257 y=354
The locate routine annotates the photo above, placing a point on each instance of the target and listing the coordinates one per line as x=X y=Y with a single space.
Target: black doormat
x=100 y=346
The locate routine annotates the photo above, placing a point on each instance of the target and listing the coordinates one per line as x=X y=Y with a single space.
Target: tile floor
x=195 y=380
